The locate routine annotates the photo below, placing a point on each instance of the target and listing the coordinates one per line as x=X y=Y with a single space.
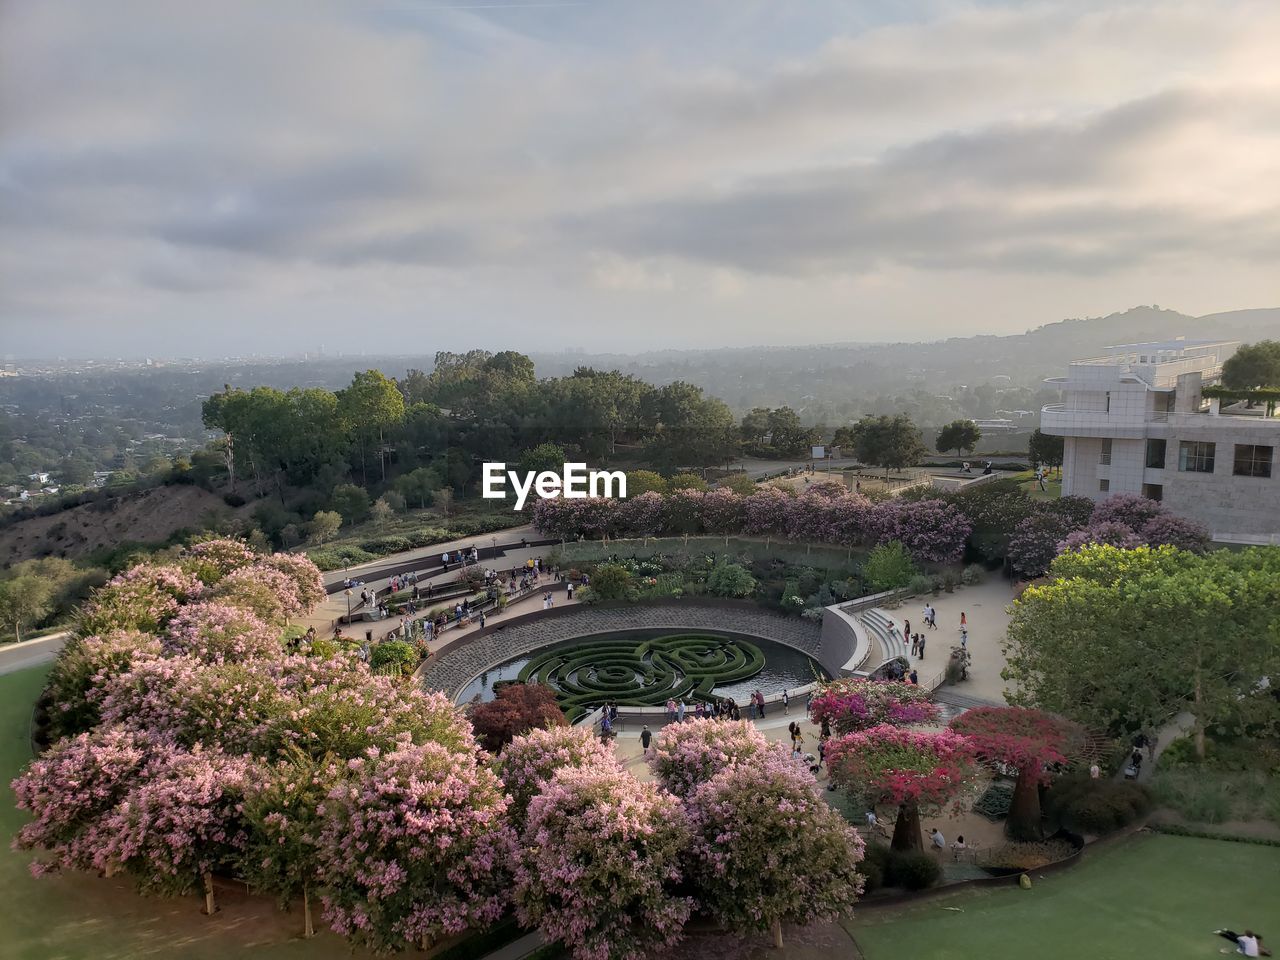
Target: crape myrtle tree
x=600 y=864
x=1121 y=640
x=414 y=845
x=529 y=761
x=1030 y=741
x=768 y=850
x=853 y=704
x=911 y=769
x=687 y=754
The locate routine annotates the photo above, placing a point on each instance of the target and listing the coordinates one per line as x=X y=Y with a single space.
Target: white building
x=1134 y=421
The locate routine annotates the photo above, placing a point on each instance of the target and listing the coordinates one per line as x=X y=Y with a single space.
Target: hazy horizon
x=402 y=177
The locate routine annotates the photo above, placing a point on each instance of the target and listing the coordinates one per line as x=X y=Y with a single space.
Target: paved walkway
x=30 y=653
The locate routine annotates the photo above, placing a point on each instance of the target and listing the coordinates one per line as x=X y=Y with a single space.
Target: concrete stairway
x=886 y=631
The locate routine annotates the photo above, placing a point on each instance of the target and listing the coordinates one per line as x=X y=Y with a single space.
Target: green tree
x=368 y=408
x=740 y=483
x=645 y=481
x=381 y=512
x=755 y=426
x=545 y=456
x=687 y=481
x=888 y=567
x=788 y=435
x=75 y=472
x=1046 y=449
x=1253 y=365
x=611 y=581
x=958 y=435
x=1121 y=640
x=418 y=486
x=324 y=526
x=730 y=580
x=889 y=442
x=25 y=600
x=350 y=501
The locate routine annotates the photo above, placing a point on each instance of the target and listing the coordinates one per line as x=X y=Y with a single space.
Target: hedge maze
x=634 y=672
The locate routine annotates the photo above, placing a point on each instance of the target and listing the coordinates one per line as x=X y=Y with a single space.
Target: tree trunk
x=210 y=905
x=364 y=463
x=1023 y=822
x=1199 y=711
x=776 y=929
x=308 y=930
x=906 y=831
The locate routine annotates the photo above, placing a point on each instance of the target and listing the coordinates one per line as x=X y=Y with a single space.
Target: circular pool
x=648 y=667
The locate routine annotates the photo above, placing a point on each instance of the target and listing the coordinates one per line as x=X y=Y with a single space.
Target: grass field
x=1156 y=897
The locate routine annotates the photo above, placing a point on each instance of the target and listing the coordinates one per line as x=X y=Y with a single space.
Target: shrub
x=1028 y=856
x=971 y=574
x=730 y=580
x=384 y=545
x=920 y=583
x=888 y=567
x=393 y=651
x=913 y=870
x=1097 y=806
x=515 y=709
x=234 y=500
x=874 y=866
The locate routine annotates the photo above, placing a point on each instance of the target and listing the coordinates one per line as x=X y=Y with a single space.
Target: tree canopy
x=885 y=441
x=1253 y=365
x=958 y=435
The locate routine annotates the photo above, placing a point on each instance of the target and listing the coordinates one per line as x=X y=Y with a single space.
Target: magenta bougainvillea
x=687 y=754
x=600 y=864
x=529 y=761
x=853 y=703
x=768 y=849
x=414 y=845
x=908 y=769
x=1030 y=741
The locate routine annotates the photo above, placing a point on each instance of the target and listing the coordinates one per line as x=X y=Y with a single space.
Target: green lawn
x=1156 y=897
x=78 y=915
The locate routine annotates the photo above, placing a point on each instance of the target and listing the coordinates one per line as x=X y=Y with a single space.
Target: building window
x=1252 y=461
x=1155 y=454
x=1153 y=491
x=1195 y=456
x=1105 y=456
x=1108 y=401
x=1104 y=486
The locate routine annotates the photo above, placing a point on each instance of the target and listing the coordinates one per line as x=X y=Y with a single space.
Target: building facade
x=1135 y=421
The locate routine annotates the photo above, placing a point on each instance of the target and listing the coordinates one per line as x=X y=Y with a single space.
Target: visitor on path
x=920 y=646
x=1248 y=944
x=958 y=847
x=964 y=622
x=671 y=711
x=680 y=711
x=752 y=698
x=915 y=644
x=569 y=589
x=1095 y=771
x=937 y=839
x=915 y=679
x=645 y=739
x=760 y=703
x=964 y=638
x=808 y=703
x=481 y=619
x=872 y=820
x=824 y=729
x=786 y=703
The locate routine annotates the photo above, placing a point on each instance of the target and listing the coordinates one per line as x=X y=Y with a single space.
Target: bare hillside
x=146 y=517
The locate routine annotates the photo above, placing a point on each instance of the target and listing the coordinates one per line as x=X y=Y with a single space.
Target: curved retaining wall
x=460 y=664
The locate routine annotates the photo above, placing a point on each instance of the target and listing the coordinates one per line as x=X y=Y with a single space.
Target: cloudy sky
x=248 y=176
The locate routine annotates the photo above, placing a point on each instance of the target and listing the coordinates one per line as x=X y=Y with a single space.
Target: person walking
x=645 y=739
x=481 y=619
x=671 y=711
x=915 y=644
x=786 y=703
x=964 y=622
x=680 y=711
x=569 y=589
x=752 y=700
x=921 y=646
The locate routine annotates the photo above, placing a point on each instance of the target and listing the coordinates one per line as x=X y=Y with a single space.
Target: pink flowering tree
x=1110 y=533
x=640 y=516
x=178 y=826
x=853 y=703
x=723 y=511
x=932 y=530
x=228 y=704
x=768 y=850
x=1175 y=531
x=71 y=788
x=282 y=805
x=555 y=517
x=414 y=845
x=1033 y=544
x=1030 y=741
x=767 y=512
x=600 y=863
x=264 y=591
x=308 y=583
x=683 y=511
x=83 y=667
x=529 y=761
x=143 y=598
x=907 y=768
x=1131 y=510
x=216 y=632
x=211 y=560
x=687 y=754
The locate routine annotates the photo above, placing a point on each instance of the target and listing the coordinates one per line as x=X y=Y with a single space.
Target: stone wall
x=459 y=665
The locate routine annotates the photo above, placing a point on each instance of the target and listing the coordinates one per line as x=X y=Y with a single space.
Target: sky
x=242 y=177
